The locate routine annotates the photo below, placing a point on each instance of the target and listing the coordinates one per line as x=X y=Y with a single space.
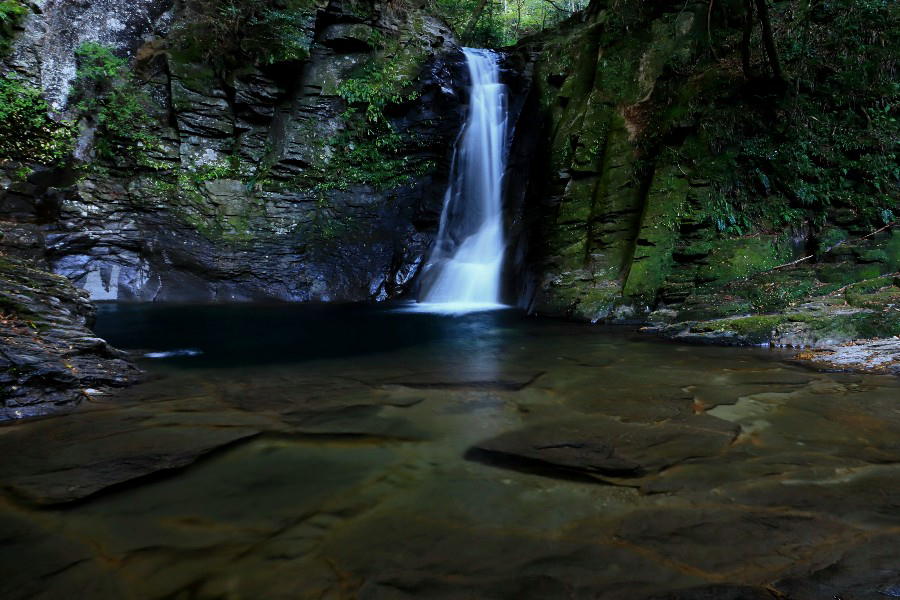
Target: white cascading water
x=463 y=272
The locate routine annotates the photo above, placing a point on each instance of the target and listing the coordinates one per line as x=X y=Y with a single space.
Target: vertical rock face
x=251 y=194
x=45 y=51
x=602 y=214
x=640 y=126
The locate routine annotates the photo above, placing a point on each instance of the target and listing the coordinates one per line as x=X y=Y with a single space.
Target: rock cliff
x=308 y=171
x=669 y=183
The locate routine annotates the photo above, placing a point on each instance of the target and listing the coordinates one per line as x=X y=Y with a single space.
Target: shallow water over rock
x=360 y=452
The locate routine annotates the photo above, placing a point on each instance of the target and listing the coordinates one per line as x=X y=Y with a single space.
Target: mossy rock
x=874 y=293
x=733 y=258
x=652 y=260
x=847 y=272
x=892 y=249
x=813 y=329
x=854 y=326
x=758 y=329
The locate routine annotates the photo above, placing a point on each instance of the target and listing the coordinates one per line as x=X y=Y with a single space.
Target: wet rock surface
x=244 y=201
x=49 y=359
x=727 y=473
x=854 y=328
x=878 y=355
x=604 y=446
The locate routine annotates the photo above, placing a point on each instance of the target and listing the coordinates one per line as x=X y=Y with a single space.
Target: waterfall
x=463 y=271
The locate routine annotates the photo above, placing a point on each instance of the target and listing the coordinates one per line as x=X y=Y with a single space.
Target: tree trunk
x=473 y=21
x=762 y=7
x=518 y=18
x=745 y=40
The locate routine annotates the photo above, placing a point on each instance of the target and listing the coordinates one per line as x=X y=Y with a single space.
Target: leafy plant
x=106 y=94
x=377 y=86
x=821 y=146
x=228 y=34
x=27 y=132
x=11 y=14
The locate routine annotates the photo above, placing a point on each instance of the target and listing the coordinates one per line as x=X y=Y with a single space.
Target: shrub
x=11 y=14
x=228 y=34
x=820 y=147
x=106 y=94
x=27 y=132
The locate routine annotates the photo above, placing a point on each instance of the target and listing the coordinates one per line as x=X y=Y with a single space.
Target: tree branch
x=762 y=7
x=473 y=20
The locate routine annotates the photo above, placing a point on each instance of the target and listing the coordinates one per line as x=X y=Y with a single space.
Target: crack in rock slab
x=511 y=382
x=62 y=473
x=598 y=445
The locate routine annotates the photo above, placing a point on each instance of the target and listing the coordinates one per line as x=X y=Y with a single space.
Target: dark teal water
x=337 y=452
x=232 y=335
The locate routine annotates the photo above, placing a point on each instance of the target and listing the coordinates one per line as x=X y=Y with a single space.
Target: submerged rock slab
x=605 y=447
x=868 y=570
x=770 y=540
x=163 y=426
x=358 y=488
x=512 y=380
x=109 y=451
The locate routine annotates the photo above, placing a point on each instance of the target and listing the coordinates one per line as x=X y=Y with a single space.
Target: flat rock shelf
x=370 y=452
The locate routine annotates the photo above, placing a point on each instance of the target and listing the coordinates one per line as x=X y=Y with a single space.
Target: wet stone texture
x=533 y=460
x=50 y=360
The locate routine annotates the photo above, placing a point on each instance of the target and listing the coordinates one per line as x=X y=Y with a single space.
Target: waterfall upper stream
x=463 y=273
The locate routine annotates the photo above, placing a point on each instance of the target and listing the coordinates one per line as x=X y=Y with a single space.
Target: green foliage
x=823 y=147
x=191 y=178
x=840 y=143
x=228 y=34
x=27 y=132
x=97 y=65
x=378 y=161
x=377 y=86
x=11 y=14
x=504 y=22
x=106 y=94
x=369 y=151
x=228 y=169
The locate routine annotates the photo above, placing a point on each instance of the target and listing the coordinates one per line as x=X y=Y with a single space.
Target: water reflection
x=327 y=453
x=234 y=335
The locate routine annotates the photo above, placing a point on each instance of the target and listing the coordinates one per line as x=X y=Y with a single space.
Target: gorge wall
x=253 y=179
x=661 y=169
x=674 y=175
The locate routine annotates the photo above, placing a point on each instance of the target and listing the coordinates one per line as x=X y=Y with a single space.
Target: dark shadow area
x=531 y=467
x=223 y=335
